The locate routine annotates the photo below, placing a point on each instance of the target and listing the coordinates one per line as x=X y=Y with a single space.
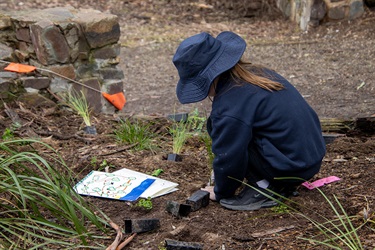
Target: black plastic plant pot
x=90 y=130
x=141 y=225
x=180 y=117
x=177 y=209
x=174 y=157
x=329 y=138
x=198 y=200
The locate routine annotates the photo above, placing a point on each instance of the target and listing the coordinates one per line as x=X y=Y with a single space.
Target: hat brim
x=197 y=89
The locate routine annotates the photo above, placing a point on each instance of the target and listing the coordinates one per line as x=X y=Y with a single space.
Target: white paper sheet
x=124 y=184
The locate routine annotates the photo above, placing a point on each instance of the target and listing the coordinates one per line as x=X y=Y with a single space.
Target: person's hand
x=210 y=189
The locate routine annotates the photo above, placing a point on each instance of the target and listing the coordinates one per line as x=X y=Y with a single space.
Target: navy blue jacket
x=281 y=124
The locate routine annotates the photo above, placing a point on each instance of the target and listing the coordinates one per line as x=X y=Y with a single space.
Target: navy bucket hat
x=201 y=58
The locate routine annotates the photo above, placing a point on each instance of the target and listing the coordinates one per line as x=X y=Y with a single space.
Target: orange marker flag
x=118 y=100
x=20 y=68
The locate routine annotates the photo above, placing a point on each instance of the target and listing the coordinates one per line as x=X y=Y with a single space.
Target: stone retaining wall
x=78 y=44
x=313 y=12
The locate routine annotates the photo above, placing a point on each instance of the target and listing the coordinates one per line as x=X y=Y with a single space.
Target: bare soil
x=332 y=65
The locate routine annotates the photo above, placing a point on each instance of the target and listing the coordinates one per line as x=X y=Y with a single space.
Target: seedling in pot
x=77 y=101
x=185 y=125
x=179 y=132
x=179 y=117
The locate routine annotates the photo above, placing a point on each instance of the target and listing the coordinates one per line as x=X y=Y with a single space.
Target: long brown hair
x=254 y=74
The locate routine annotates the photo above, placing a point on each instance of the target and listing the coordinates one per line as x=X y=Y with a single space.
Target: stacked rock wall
x=313 y=12
x=82 y=45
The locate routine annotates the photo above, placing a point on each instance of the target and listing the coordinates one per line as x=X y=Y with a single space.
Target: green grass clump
x=337 y=233
x=135 y=132
x=39 y=208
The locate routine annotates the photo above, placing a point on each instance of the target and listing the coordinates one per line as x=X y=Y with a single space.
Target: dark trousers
x=259 y=169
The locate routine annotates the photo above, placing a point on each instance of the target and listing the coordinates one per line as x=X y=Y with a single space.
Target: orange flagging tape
x=20 y=68
x=118 y=100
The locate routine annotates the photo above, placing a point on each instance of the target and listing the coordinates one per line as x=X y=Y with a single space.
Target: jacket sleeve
x=230 y=140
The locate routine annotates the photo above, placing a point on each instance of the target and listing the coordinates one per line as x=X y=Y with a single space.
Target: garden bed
x=350 y=158
x=331 y=65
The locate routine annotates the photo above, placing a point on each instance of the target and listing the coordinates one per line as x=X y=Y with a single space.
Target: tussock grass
x=337 y=233
x=38 y=206
x=135 y=132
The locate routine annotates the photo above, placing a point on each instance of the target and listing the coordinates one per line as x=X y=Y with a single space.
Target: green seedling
x=281 y=209
x=93 y=161
x=105 y=165
x=210 y=155
x=179 y=134
x=7 y=134
x=208 y=143
x=77 y=101
x=145 y=203
x=196 y=122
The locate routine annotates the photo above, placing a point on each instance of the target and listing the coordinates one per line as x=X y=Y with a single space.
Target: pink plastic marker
x=320 y=182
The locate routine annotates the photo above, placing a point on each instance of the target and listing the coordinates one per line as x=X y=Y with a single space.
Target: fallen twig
x=119 y=236
x=116 y=245
x=271 y=231
x=127 y=241
x=64 y=137
x=119 y=150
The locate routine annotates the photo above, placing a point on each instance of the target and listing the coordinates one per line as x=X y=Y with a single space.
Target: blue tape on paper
x=137 y=191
